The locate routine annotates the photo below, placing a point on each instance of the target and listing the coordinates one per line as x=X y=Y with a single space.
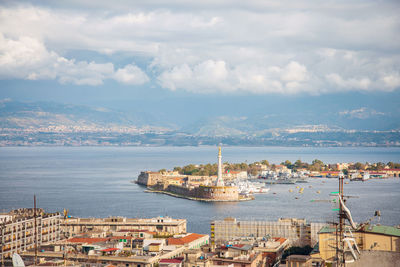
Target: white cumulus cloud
x=131 y=74
x=351 y=83
x=217 y=76
x=255 y=47
x=392 y=81
x=28 y=58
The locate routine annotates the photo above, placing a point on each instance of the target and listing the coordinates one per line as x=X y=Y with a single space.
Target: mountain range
x=359 y=126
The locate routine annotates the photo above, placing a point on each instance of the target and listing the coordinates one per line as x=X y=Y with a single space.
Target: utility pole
x=341 y=259
x=337 y=241
x=34 y=215
x=340 y=227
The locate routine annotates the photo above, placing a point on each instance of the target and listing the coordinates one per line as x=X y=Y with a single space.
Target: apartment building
x=297 y=231
x=160 y=225
x=17 y=230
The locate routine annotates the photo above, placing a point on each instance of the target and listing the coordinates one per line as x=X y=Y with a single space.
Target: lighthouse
x=219 y=181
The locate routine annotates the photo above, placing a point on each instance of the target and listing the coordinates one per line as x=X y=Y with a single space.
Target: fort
x=201 y=188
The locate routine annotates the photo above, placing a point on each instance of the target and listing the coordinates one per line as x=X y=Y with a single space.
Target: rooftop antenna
x=344 y=236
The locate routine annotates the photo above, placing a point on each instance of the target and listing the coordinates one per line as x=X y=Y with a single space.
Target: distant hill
x=19 y=115
x=260 y=125
x=49 y=123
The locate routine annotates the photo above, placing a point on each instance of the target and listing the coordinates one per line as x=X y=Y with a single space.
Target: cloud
x=352 y=83
x=131 y=74
x=216 y=76
x=255 y=47
x=28 y=58
x=206 y=76
x=295 y=72
x=392 y=81
x=361 y=113
x=83 y=73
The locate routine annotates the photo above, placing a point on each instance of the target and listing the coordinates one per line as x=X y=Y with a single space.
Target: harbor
x=84 y=177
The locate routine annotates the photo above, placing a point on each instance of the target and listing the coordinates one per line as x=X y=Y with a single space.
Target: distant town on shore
x=55 y=124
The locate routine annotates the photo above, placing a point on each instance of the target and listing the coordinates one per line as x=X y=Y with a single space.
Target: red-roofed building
x=191 y=240
x=109 y=249
x=272 y=249
x=87 y=240
x=177 y=262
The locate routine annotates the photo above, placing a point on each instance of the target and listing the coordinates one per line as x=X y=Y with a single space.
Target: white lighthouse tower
x=219 y=181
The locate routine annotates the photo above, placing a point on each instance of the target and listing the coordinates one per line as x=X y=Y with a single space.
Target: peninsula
x=201 y=188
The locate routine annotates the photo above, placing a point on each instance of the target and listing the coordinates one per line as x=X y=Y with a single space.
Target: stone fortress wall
x=225 y=193
x=199 y=188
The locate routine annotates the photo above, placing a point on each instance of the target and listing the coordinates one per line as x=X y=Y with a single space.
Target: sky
x=193 y=58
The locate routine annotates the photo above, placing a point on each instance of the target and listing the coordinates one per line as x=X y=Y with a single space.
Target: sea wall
x=180 y=190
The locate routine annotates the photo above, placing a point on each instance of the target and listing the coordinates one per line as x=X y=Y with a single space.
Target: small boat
x=318 y=192
x=290 y=190
x=302 y=181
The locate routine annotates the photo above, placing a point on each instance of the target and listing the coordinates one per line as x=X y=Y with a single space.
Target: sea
x=97 y=182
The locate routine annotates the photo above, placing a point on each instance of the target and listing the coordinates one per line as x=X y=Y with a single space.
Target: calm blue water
x=95 y=182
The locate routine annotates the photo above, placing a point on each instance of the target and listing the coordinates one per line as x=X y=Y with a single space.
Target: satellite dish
x=17 y=260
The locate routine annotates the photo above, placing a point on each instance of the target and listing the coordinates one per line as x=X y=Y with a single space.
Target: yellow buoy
x=318 y=192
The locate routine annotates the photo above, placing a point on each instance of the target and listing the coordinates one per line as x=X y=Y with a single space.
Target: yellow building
x=154 y=247
x=369 y=237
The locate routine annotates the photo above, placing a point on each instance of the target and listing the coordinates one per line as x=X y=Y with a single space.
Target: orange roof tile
x=109 y=249
x=184 y=240
x=132 y=230
x=279 y=239
x=176 y=260
x=86 y=240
